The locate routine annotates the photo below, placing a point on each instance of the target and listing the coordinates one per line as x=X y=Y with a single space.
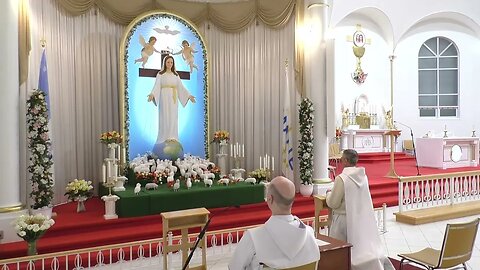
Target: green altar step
x=164 y=199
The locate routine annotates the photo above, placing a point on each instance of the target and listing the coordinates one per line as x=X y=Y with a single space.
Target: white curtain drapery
x=246 y=82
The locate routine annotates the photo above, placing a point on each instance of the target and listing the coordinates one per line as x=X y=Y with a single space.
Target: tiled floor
x=399 y=238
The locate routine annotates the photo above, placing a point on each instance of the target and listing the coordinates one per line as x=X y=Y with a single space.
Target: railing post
x=452 y=191
x=384 y=212
x=400 y=195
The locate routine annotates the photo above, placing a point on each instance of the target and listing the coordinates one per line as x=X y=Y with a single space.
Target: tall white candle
x=243 y=150
x=108 y=169
x=260 y=162
x=124 y=156
x=104 y=177
x=231 y=150
x=118 y=152
x=273 y=164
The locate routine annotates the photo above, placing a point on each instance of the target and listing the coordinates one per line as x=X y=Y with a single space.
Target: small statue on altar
x=389 y=120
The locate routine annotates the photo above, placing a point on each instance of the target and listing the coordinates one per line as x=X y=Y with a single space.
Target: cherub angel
x=148 y=49
x=187 y=54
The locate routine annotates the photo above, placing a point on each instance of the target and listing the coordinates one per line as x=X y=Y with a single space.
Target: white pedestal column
x=10 y=204
x=110 y=212
x=222 y=157
x=316 y=17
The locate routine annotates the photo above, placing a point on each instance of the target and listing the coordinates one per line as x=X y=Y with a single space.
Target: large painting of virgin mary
x=164 y=95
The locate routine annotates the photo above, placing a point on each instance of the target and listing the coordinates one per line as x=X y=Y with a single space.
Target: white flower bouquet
x=79 y=189
x=31 y=228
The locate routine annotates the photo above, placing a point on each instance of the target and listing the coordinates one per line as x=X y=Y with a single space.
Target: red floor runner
x=79 y=230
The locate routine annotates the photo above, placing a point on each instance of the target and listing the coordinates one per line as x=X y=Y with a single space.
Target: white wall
x=374 y=62
x=404 y=14
x=400 y=28
x=406 y=85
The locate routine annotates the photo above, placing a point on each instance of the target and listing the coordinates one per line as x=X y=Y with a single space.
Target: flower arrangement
x=79 y=189
x=111 y=137
x=260 y=174
x=338 y=133
x=305 y=149
x=30 y=228
x=221 y=135
x=150 y=176
x=39 y=145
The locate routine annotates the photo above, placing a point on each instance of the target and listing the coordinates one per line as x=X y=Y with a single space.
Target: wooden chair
x=456 y=248
x=407 y=146
x=334 y=153
x=310 y=266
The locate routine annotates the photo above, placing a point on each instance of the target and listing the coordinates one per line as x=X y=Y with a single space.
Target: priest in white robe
x=167 y=92
x=353 y=218
x=283 y=241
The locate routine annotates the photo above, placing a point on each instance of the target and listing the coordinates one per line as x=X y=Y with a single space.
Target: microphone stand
x=413 y=145
x=199 y=238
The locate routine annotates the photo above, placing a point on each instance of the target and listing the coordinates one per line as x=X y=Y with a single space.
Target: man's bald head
x=282 y=191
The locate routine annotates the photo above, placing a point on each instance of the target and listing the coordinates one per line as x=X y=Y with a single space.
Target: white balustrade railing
x=141 y=254
x=417 y=192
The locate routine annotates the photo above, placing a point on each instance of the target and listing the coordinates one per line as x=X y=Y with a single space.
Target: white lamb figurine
x=189 y=183
x=251 y=181
x=208 y=182
x=176 y=186
x=142 y=168
x=224 y=181
x=151 y=186
x=137 y=188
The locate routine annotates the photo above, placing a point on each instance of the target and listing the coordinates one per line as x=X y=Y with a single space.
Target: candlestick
x=103 y=173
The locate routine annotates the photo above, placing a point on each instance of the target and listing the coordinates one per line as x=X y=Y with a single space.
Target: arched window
x=438 y=78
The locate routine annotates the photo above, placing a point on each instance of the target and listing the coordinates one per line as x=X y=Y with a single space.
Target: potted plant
x=30 y=228
x=79 y=191
x=39 y=144
x=305 y=148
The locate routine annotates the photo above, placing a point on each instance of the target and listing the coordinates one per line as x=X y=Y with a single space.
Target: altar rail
x=140 y=253
x=426 y=191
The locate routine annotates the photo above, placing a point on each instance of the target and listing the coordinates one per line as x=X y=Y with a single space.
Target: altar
x=446 y=153
x=365 y=140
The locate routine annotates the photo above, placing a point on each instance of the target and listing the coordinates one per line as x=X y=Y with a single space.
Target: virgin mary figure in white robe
x=168 y=91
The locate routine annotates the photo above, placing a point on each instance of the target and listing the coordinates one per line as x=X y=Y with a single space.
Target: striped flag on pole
x=287 y=149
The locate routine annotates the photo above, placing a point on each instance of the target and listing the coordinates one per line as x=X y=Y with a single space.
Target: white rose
x=36 y=228
x=29 y=227
x=22 y=233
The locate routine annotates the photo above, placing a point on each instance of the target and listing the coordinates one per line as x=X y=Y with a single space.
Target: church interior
x=130 y=125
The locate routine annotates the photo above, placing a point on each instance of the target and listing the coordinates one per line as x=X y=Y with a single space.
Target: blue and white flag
x=287 y=149
x=43 y=80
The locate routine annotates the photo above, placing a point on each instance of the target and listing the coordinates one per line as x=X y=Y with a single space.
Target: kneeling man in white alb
x=353 y=218
x=284 y=241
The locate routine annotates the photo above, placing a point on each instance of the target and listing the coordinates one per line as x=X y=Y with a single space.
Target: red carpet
x=79 y=230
